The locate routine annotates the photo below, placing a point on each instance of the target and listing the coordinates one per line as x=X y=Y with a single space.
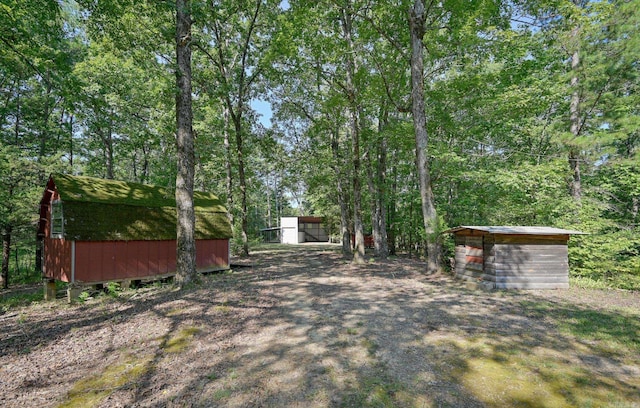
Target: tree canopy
x=394 y=118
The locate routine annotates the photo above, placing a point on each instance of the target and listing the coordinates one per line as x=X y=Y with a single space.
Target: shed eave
x=515 y=230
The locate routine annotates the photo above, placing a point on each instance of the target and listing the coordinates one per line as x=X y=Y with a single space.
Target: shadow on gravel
x=304 y=327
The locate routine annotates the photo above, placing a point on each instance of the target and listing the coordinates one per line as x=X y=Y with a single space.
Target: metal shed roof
x=517 y=230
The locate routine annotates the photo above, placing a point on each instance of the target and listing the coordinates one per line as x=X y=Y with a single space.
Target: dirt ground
x=303 y=327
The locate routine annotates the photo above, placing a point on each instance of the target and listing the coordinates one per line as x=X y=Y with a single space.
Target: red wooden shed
x=94 y=231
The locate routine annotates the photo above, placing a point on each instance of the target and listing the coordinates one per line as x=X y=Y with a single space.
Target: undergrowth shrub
x=611 y=258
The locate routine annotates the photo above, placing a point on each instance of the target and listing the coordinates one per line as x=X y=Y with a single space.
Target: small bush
x=610 y=258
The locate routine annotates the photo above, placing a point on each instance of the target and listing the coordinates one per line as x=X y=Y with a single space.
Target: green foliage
x=18 y=299
x=612 y=258
x=113 y=289
x=84 y=296
x=88 y=88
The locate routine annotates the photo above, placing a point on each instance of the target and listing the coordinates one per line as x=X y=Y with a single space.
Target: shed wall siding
x=57 y=259
x=101 y=261
x=56 y=252
x=513 y=261
x=212 y=254
x=531 y=262
x=461 y=255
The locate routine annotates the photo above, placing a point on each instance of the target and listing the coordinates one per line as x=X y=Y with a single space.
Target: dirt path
x=303 y=327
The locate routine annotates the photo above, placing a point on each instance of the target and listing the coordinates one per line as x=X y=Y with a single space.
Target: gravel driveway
x=303 y=327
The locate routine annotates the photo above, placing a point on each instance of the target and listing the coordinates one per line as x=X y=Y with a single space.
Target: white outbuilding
x=296 y=230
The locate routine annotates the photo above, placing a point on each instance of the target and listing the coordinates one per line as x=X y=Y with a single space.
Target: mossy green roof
x=104 y=210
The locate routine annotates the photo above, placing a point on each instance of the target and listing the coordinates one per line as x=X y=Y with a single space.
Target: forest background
x=531 y=112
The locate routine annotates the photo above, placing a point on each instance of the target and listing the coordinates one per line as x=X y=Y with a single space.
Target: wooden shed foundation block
x=73 y=292
x=49 y=289
x=480 y=285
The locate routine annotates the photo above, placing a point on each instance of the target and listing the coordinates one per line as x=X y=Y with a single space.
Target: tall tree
x=575 y=184
x=236 y=42
x=18 y=189
x=186 y=245
x=351 y=91
x=417 y=28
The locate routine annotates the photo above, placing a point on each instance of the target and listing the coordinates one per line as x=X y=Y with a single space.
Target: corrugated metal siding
x=461 y=255
x=474 y=257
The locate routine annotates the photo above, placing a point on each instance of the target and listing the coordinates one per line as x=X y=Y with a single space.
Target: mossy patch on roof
x=103 y=210
x=96 y=190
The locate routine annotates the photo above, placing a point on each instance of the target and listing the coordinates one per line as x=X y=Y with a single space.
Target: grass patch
x=222 y=309
x=533 y=377
x=91 y=391
x=221 y=394
x=611 y=332
x=181 y=340
x=9 y=302
x=370 y=346
x=375 y=391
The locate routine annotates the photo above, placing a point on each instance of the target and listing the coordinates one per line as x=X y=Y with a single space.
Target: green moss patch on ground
x=91 y=391
x=303 y=327
x=181 y=340
x=537 y=377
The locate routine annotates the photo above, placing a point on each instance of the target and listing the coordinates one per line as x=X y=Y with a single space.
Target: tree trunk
x=381 y=243
x=186 y=247
x=6 y=253
x=391 y=213
x=107 y=141
x=243 y=184
x=375 y=183
x=575 y=186
x=416 y=23
x=268 y=188
x=71 y=141
x=227 y=165
x=354 y=125
x=44 y=132
x=144 y=176
x=342 y=200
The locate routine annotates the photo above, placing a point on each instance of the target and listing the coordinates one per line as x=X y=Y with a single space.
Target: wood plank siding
x=513 y=257
x=460 y=255
x=108 y=230
x=530 y=262
x=57 y=259
x=101 y=261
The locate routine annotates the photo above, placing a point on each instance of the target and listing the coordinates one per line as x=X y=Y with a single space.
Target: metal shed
x=296 y=230
x=504 y=257
x=94 y=231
